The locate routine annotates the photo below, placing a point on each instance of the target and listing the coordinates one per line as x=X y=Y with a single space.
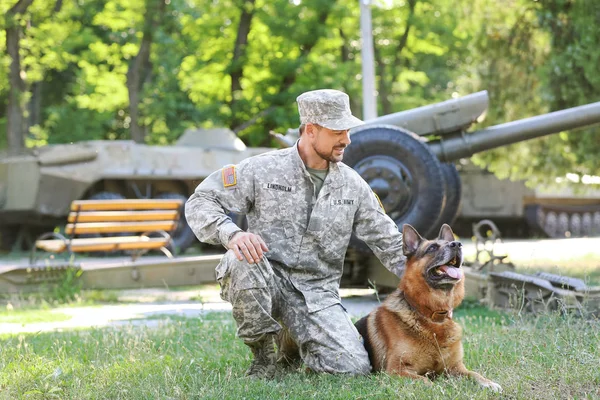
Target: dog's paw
x=492 y=386
x=427 y=382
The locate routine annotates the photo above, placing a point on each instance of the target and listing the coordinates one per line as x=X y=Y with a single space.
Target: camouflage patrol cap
x=328 y=108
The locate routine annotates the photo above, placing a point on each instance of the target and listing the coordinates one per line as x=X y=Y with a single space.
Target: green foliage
x=532 y=57
x=545 y=67
x=66 y=289
x=31 y=316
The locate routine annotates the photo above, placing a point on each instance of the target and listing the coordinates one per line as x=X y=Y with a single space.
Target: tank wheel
x=403 y=172
x=551 y=224
x=586 y=224
x=596 y=224
x=451 y=207
x=563 y=225
x=182 y=236
x=575 y=225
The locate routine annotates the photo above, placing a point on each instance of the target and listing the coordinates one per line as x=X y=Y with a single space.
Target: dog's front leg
x=461 y=370
x=395 y=366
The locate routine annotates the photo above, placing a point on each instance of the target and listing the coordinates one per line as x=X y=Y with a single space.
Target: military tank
x=38 y=186
x=564 y=209
x=406 y=157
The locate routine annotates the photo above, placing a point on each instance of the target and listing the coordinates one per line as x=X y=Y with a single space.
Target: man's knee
x=243 y=275
x=356 y=365
x=363 y=367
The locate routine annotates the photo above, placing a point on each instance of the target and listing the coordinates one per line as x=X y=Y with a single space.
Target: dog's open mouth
x=448 y=271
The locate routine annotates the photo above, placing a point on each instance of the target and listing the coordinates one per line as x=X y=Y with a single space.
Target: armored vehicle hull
x=37 y=187
x=519 y=211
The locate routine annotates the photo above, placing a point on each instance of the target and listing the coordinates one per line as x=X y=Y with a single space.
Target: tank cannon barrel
x=440 y=118
x=454 y=147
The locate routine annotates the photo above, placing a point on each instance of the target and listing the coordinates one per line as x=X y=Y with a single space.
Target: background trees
x=148 y=69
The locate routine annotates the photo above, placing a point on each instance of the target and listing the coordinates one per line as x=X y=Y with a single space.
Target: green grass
x=543 y=357
x=31 y=316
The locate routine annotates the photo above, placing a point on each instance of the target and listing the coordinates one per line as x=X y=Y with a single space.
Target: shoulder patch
x=229 y=176
x=379 y=201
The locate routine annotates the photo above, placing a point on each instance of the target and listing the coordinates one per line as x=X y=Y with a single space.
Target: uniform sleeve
x=230 y=189
x=379 y=232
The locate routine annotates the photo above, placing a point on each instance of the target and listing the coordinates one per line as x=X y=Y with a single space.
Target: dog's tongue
x=455 y=273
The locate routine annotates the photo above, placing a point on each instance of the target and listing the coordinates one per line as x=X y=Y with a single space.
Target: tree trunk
x=140 y=65
x=35 y=101
x=290 y=78
x=236 y=68
x=386 y=79
x=35 y=105
x=14 y=110
x=383 y=90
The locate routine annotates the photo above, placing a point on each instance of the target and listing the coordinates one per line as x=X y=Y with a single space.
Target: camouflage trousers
x=264 y=301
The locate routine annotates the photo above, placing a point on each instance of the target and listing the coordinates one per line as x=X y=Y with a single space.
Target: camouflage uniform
x=296 y=283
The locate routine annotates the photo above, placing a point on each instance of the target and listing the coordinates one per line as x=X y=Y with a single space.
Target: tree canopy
x=148 y=69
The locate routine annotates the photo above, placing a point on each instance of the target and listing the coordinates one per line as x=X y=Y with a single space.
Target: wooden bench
x=136 y=225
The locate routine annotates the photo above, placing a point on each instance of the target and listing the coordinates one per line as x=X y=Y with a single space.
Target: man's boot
x=264 y=363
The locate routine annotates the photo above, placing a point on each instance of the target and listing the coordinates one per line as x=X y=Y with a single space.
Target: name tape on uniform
x=281 y=188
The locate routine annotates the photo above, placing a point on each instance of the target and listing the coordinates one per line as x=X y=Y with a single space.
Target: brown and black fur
x=412 y=332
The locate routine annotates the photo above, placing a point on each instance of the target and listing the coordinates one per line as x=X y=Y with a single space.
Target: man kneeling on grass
x=283 y=273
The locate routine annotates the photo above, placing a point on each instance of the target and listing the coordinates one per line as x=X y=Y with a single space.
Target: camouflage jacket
x=306 y=237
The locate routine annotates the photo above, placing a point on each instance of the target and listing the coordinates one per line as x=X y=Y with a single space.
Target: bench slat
x=126 y=204
x=115 y=216
x=116 y=227
x=103 y=244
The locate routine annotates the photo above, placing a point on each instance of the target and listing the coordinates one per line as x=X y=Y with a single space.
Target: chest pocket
x=274 y=198
x=335 y=215
x=276 y=204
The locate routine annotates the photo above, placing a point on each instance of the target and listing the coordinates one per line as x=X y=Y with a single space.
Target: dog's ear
x=446 y=233
x=410 y=240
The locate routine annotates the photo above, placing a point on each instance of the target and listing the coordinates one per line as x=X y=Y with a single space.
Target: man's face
x=329 y=144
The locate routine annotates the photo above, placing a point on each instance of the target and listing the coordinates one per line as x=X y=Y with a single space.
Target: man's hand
x=247 y=245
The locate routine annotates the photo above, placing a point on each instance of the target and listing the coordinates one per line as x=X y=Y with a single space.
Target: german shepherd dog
x=412 y=332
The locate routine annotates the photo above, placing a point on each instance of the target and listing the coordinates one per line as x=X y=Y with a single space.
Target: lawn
x=29 y=316
x=541 y=357
x=547 y=356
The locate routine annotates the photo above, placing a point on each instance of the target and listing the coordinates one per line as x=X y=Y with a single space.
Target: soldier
x=302 y=205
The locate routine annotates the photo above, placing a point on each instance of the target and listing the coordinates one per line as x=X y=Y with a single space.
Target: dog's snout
x=455 y=244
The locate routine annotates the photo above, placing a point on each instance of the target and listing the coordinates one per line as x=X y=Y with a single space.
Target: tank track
x=557 y=221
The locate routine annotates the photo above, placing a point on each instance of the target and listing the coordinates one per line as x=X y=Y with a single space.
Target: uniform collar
x=334 y=178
